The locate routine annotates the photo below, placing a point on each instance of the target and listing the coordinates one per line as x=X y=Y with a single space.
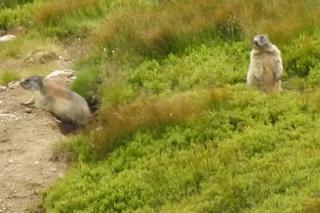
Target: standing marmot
x=265 y=65
x=65 y=104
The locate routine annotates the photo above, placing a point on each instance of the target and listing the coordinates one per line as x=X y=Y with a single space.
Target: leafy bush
x=314 y=77
x=302 y=56
x=88 y=79
x=214 y=65
x=13 y=3
x=22 y=15
x=72 y=149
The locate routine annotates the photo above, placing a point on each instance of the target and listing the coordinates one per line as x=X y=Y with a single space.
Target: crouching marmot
x=265 y=67
x=65 y=104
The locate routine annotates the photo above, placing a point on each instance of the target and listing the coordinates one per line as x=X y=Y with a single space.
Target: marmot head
x=33 y=83
x=261 y=41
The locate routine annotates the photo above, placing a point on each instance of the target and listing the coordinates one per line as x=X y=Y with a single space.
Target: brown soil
x=26 y=139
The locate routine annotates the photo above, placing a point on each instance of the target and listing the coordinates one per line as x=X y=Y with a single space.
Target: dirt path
x=26 y=139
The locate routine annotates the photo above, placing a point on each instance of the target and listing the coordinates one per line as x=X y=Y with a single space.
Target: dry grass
x=172 y=25
x=56 y=9
x=158 y=30
x=118 y=121
x=312 y=206
x=280 y=19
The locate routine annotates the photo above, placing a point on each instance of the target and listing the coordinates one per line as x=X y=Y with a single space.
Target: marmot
x=63 y=103
x=265 y=67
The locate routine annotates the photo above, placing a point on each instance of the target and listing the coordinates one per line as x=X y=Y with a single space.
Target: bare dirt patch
x=26 y=139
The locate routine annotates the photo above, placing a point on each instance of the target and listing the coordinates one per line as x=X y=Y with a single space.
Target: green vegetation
x=13 y=3
x=250 y=153
x=8 y=76
x=176 y=129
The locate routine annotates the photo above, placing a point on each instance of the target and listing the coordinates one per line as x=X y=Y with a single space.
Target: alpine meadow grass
x=176 y=128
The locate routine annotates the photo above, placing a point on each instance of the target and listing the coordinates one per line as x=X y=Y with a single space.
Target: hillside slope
x=177 y=129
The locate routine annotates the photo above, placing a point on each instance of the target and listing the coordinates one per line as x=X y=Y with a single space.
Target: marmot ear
x=39 y=80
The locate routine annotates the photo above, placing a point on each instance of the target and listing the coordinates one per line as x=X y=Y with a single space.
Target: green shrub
x=13 y=3
x=73 y=149
x=302 y=56
x=314 y=76
x=22 y=15
x=295 y=83
x=214 y=65
x=88 y=79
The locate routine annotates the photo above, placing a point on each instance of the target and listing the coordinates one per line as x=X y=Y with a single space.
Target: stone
x=7 y=38
x=28 y=110
x=65 y=73
x=3 y=88
x=13 y=84
x=3 y=140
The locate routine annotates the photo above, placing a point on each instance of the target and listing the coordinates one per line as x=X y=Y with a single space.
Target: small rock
x=13 y=84
x=28 y=110
x=3 y=140
x=7 y=38
x=3 y=88
x=36 y=162
x=11 y=161
x=61 y=74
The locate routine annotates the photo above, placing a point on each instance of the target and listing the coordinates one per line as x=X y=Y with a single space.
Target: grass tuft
x=121 y=120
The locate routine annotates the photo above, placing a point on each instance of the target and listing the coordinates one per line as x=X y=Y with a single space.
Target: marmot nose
x=256 y=43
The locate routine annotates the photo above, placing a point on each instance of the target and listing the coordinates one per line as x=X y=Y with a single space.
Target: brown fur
x=265 y=68
x=65 y=104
